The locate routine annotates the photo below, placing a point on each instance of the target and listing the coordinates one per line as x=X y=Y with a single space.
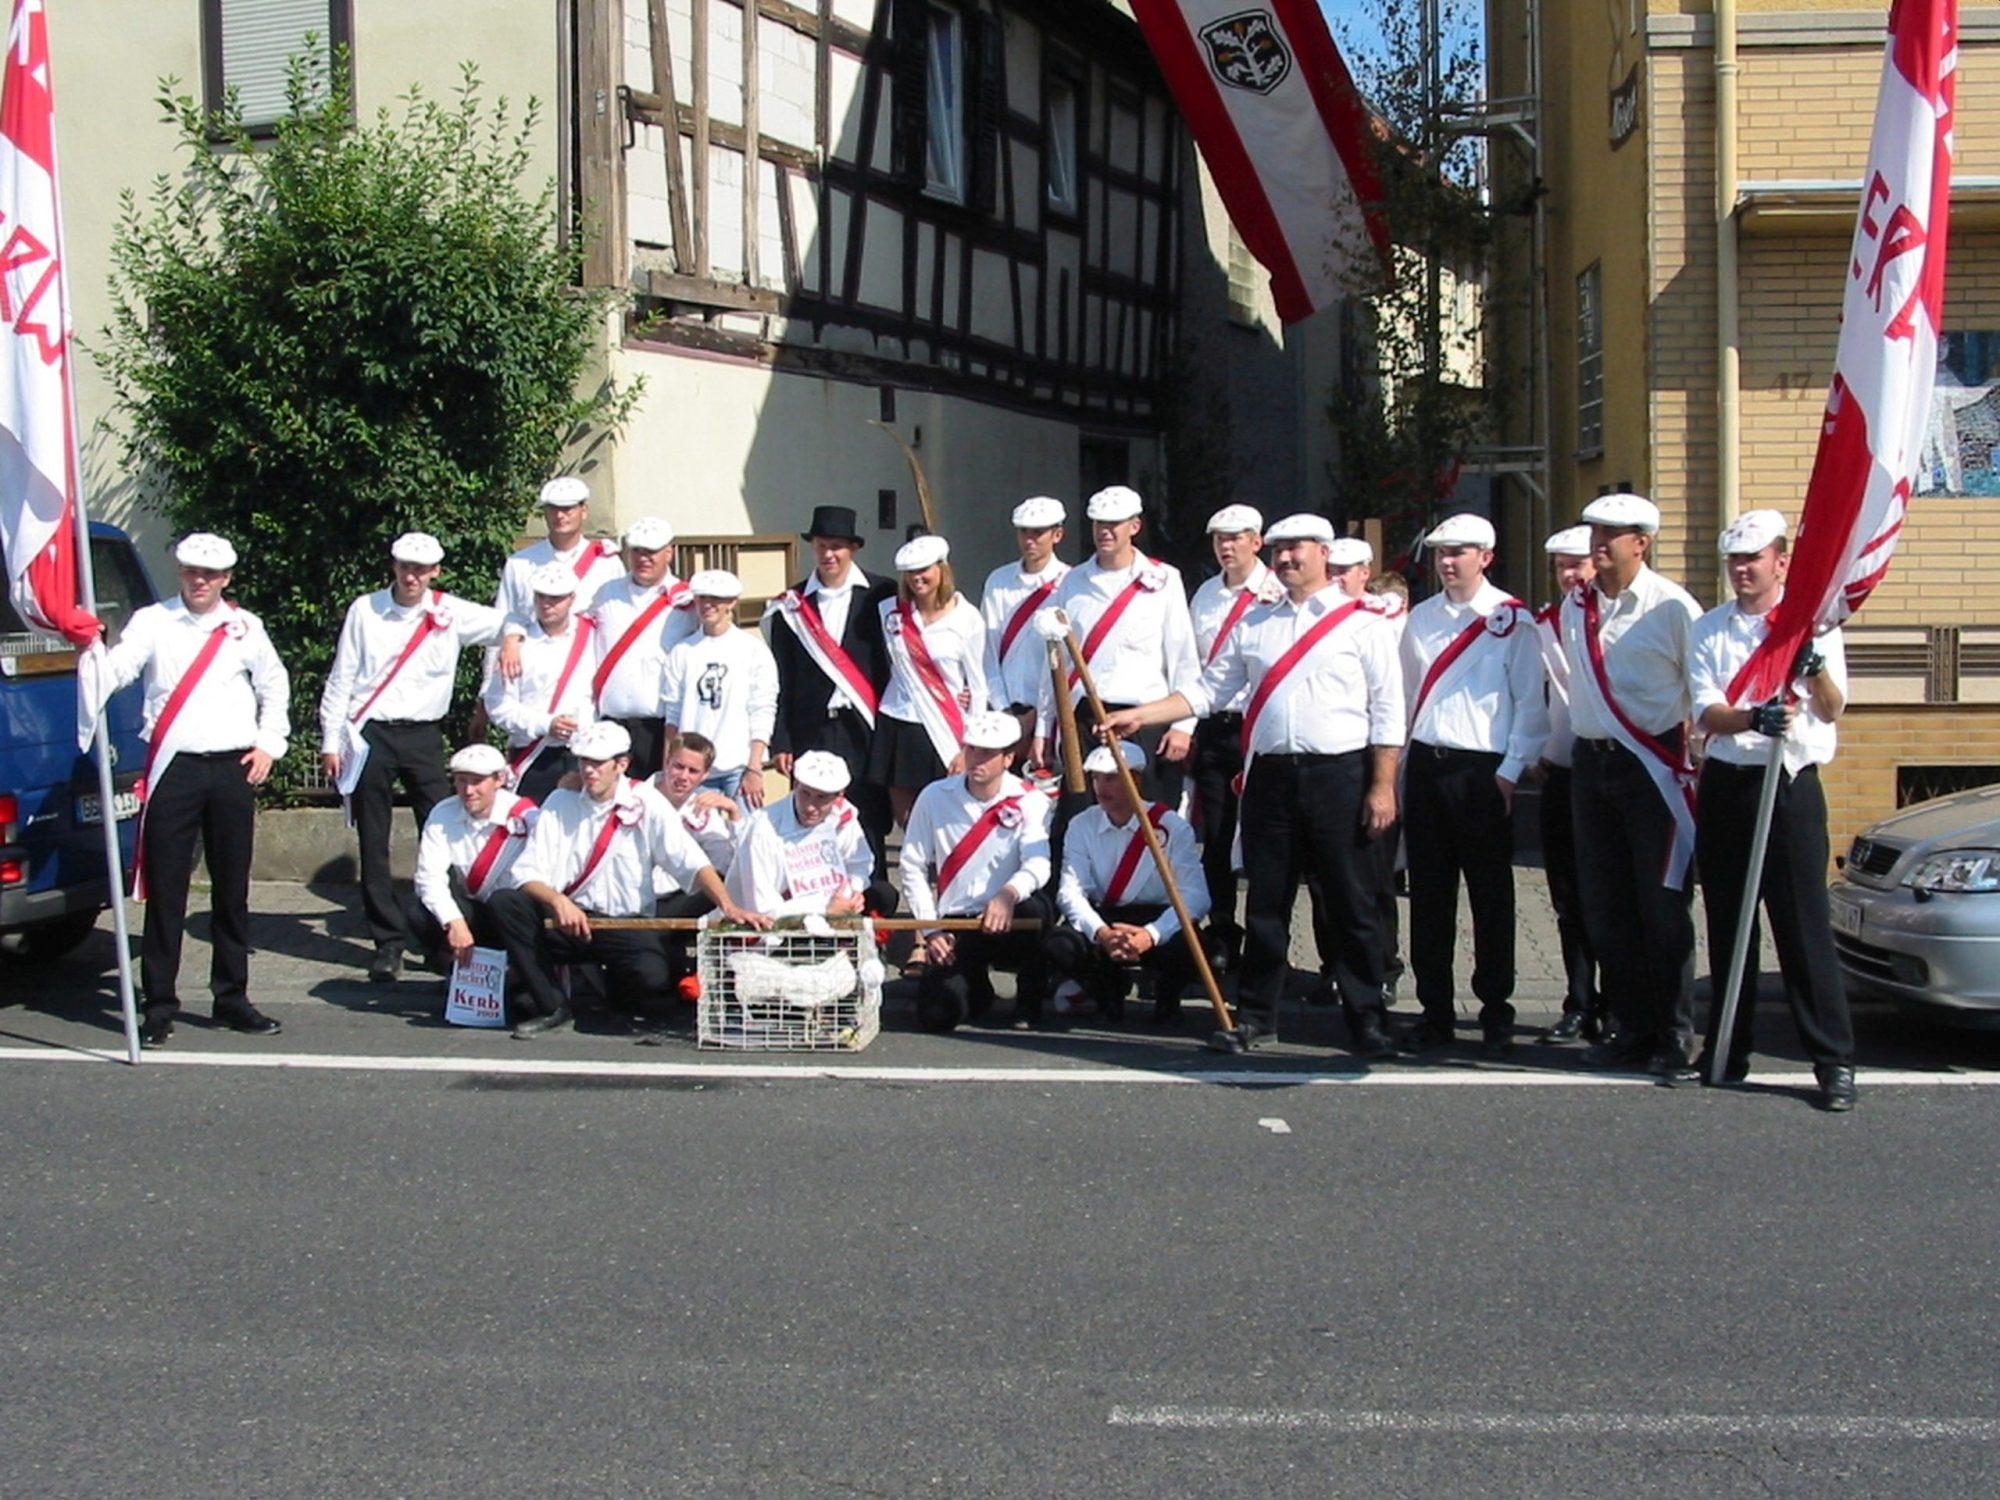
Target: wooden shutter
x=909 y=128
x=986 y=100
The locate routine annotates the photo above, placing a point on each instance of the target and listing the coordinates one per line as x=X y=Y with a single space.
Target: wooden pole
x=797 y=924
x=1072 y=742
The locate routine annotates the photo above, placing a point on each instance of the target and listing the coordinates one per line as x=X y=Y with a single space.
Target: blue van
x=52 y=877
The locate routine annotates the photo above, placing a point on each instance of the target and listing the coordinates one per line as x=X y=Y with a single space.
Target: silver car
x=1916 y=908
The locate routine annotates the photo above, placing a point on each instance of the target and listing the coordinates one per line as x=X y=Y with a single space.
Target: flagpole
x=1746 y=915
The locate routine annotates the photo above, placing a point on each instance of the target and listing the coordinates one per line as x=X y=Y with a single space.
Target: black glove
x=1808 y=663
x=1769 y=719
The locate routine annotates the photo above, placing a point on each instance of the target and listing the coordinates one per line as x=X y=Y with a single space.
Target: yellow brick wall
x=1806 y=112
x=1861 y=781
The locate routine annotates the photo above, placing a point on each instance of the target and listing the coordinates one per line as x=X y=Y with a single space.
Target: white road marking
x=1860 y=1428
x=1276 y=1076
x=1275 y=1125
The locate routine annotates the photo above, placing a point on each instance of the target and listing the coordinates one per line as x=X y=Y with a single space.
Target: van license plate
x=1846 y=915
x=89 y=807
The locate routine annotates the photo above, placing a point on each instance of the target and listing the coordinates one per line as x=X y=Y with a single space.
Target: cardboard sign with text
x=478 y=995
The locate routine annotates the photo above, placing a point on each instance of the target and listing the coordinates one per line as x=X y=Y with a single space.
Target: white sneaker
x=1069 y=999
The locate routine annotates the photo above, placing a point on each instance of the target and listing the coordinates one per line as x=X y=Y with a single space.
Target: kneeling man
x=1114 y=904
x=806 y=853
x=467 y=852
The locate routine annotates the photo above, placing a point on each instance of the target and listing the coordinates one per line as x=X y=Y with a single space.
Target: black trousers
x=1161 y=781
x=549 y=768
x=847 y=735
x=206 y=796
x=1215 y=764
x=1641 y=929
x=649 y=746
x=1559 y=864
x=1387 y=914
x=638 y=968
x=1793 y=894
x=967 y=980
x=1457 y=828
x=1074 y=956
x=412 y=754
x=427 y=932
x=1302 y=813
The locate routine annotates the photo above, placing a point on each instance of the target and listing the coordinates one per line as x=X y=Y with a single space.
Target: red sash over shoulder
x=668 y=599
x=489 y=852
x=1128 y=862
x=1462 y=643
x=156 y=766
x=981 y=830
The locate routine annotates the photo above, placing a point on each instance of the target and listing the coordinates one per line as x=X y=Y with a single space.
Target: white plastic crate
x=811 y=988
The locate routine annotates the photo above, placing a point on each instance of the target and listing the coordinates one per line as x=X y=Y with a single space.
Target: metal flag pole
x=1746 y=916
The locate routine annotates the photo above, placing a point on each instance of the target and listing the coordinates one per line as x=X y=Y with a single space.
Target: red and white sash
x=1229 y=623
x=1282 y=668
x=1555 y=664
x=937 y=702
x=796 y=608
x=519 y=760
x=669 y=598
x=513 y=826
x=1004 y=812
x=353 y=748
x=1671 y=772
x=160 y=747
x=1514 y=612
x=1120 y=602
x=1128 y=862
x=588 y=554
x=622 y=815
x=1023 y=613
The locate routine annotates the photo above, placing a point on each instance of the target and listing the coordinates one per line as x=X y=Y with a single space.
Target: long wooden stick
x=796 y=925
x=1153 y=844
x=1072 y=740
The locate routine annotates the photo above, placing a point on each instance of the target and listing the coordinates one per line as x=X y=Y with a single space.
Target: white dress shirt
x=1721 y=643
x=650 y=838
x=833 y=603
x=1148 y=653
x=784 y=868
x=1014 y=855
x=517 y=595
x=375 y=633
x=725 y=687
x=1490 y=698
x=956 y=641
x=1093 y=848
x=1561 y=747
x=632 y=691
x=712 y=828
x=244 y=699
x=1019 y=679
x=1210 y=609
x=526 y=706
x=1644 y=634
x=453 y=840
x=1346 y=694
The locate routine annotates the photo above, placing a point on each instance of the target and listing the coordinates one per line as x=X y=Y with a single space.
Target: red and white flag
x=1872 y=438
x=38 y=471
x=1286 y=138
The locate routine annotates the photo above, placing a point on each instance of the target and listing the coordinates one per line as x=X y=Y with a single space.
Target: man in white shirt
x=978 y=846
x=544 y=707
x=1322 y=735
x=1130 y=615
x=640 y=618
x=723 y=684
x=1115 y=908
x=593 y=853
x=1236 y=535
x=381 y=717
x=806 y=853
x=1473 y=680
x=1792 y=886
x=594 y=563
x=714 y=820
x=1017 y=664
x=216 y=715
x=1625 y=636
x=1583 y=1015
x=467 y=852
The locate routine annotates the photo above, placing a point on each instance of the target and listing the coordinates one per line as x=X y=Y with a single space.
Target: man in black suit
x=826 y=633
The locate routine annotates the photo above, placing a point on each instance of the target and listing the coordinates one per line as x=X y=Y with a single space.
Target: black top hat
x=834 y=521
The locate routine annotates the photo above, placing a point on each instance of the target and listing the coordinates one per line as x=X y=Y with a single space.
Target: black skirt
x=901 y=754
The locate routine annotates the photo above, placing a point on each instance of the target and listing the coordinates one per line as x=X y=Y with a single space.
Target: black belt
x=213 y=754
x=1305 y=757
x=1450 y=752
x=1224 y=718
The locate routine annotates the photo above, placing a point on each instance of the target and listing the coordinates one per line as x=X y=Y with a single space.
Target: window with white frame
x=248 y=46
x=1059 y=151
x=944 y=157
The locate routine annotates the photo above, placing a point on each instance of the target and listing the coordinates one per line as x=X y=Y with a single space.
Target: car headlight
x=1959 y=870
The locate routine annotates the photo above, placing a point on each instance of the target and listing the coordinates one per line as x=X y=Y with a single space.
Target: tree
x=347 y=332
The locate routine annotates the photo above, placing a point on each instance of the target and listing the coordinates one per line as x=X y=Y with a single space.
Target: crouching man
x=1114 y=905
x=806 y=853
x=593 y=854
x=977 y=846
x=467 y=852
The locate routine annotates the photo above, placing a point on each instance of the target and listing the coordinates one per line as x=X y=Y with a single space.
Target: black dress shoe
x=1631 y=1052
x=1428 y=1034
x=1836 y=1087
x=250 y=1021
x=1568 y=1029
x=536 y=1026
x=1248 y=1030
x=1672 y=1065
x=1496 y=1046
x=387 y=963
x=1596 y=1027
x=1167 y=1012
x=1736 y=1070
x=1371 y=1041
x=154 y=1031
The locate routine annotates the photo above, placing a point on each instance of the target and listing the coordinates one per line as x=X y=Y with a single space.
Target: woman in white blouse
x=937 y=649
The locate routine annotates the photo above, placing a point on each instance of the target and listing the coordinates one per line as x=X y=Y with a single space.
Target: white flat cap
x=565 y=490
x=601 y=739
x=1571 y=541
x=649 y=533
x=715 y=583
x=479 y=760
x=1234 y=518
x=822 y=771
x=1622 y=510
x=556 y=579
x=1117 y=502
x=418 y=547
x=1349 y=552
x=1104 y=763
x=1465 y=530
x=1750 y=532
x=921 y=552
x=204 y=549
x=1039 y=512
x=992 y=731
x=1303 y=527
